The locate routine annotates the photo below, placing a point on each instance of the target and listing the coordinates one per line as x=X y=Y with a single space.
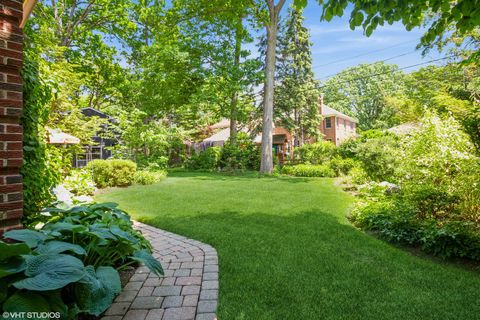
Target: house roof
x=90 y=112
x=330 y=112
x=405 y=128
x=56 y=136
x=221 y=135
x=224 y=123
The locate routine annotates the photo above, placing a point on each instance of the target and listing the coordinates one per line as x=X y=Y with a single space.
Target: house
x=336 y=126
x=101 y=147
x=282 y=139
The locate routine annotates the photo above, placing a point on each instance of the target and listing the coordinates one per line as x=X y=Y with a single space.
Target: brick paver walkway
x=188 y=291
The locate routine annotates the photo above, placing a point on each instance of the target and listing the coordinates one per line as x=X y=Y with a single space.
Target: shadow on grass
x=313 y=265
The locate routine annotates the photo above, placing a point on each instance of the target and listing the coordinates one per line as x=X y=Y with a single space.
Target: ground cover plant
x=287 y=251
x=69 y=264
x=435 y=200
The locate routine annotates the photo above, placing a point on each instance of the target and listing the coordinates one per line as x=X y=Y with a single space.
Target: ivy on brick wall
x=38 y=171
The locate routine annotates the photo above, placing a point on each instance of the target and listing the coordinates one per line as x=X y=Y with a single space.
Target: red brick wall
x=11 y=133
x=329 y=133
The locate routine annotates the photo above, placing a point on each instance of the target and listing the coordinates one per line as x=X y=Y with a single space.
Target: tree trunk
x=266 y=165
x=234 y=102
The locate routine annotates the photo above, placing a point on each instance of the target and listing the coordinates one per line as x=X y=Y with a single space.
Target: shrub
x=378 y=157
x=244 y=155
x=358 y=175
x=208 y=159
x=398 y=221
x=80 y=183
x=348 y=148
x=160 y=163
x=315 y=153
x=342 y=166
x=307 y=170
x=70 y=264
x=240 y=156
x=112 y=173
x=437 y=206
x=392 y=220
x=149 y=177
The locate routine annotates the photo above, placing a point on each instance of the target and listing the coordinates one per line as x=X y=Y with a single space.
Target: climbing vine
x=38 y=171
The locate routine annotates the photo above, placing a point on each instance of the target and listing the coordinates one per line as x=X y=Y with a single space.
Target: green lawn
x=287 y=251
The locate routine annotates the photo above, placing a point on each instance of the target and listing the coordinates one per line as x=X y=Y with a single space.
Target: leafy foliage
x=378 y=158
x=145 y=177
x=308 y=170
x=208 y=159
x=80 y=182
x=437 y=203
x=243 y=155
x=356 y=92
x=112 y=173
x=69 y=264
x=315 y=153
x=39 y=173
x=296 y=96
x=442 y=16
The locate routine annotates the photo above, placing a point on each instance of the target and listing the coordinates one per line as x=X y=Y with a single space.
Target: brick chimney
x=11 y=102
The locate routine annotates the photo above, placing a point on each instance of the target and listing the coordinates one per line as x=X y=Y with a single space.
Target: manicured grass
x=287 y=251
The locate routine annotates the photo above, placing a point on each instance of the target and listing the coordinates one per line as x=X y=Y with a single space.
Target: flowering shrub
x=437 y=206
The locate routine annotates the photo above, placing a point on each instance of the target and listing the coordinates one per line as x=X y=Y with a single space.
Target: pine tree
x=297 y=94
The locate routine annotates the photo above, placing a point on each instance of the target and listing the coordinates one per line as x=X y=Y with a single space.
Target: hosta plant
x=70 y=263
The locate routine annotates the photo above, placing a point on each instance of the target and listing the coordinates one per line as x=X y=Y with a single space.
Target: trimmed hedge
x=308 y=170
x=149 y=177
x=112 y=173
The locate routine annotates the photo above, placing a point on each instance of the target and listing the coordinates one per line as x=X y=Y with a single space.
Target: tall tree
x=271 y=26
x=361 y=91
x=296 y=95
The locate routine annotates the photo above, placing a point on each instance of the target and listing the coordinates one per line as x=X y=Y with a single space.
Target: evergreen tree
x=297 y=94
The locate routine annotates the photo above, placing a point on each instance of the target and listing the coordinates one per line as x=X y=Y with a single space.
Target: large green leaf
x=65 y=226
x=30 y=237
x=8 y=250
x=3 y=291
x=55 y=247
x=104 y=205
x=51 y=272
x=123 y=234
x=11 y=266
x=25 y=301
x=95 y=292
x=145 y=257
x=56 y=303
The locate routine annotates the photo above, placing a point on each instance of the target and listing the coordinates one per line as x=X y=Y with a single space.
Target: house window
x=328 y=123
x=352 y=126
x=344 y=124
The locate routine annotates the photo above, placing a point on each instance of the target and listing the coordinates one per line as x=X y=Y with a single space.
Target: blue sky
x=334 y=41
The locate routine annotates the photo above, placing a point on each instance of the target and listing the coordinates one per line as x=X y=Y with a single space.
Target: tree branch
x=279 y=7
